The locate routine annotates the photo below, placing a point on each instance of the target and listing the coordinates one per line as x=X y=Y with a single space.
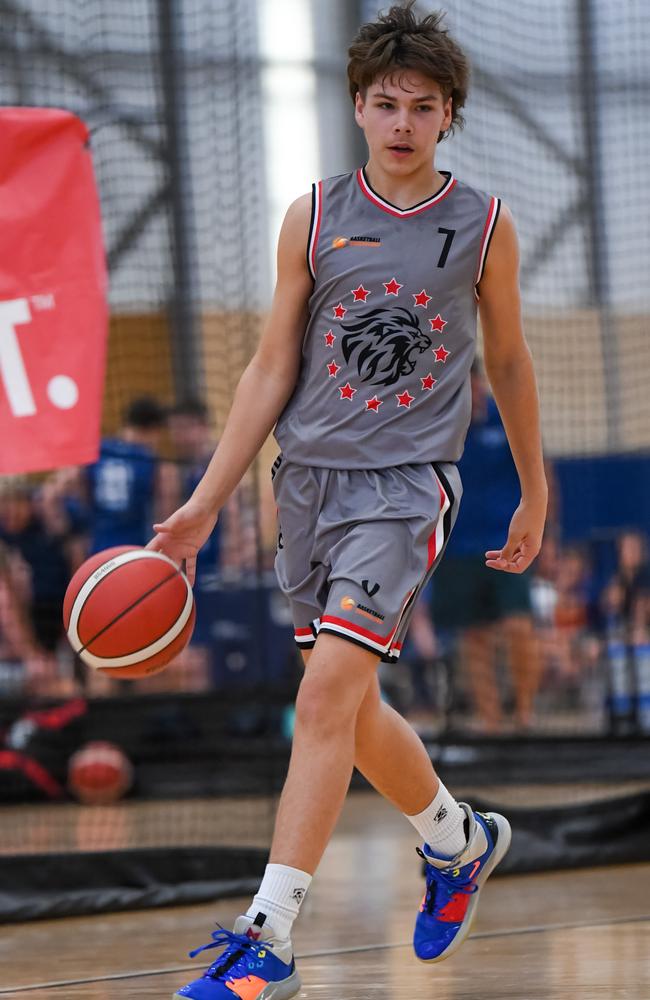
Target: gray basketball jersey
x=387 y=352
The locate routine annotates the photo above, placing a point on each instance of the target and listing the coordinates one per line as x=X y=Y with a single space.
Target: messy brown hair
x=398 y=41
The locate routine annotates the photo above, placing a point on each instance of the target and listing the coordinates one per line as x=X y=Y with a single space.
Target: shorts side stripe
x=351 y=637
x=452 y=503
x=341 y=625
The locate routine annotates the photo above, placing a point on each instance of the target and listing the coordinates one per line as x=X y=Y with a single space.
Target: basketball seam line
x=140 y=599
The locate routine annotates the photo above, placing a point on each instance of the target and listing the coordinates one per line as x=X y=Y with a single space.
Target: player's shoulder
x=303 y=209
x=487 y=201
x=470 y=195
x=303 y=205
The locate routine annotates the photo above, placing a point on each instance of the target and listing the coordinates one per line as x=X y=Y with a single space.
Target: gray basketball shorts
x=356 y=547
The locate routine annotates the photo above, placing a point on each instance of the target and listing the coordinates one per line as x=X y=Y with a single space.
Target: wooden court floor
x=581 y=935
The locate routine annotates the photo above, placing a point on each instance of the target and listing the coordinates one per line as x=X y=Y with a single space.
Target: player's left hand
x=524 y=540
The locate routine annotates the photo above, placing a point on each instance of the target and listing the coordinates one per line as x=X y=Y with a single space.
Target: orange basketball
x=99 y=773
x=128 y=611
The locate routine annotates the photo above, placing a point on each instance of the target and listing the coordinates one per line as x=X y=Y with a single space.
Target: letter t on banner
x=53 y=312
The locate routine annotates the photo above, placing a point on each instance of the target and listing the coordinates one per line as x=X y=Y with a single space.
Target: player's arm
x=270 y=378
x=262 y=393
x=509 y=368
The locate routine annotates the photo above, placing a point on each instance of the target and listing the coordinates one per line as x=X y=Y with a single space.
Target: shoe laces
x=237 y=946
x=445 y=882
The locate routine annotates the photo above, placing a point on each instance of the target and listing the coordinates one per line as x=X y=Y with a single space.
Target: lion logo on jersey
x=387 y=342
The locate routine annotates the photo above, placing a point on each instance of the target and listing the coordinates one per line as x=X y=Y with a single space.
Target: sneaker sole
x=500 y=851
x=283 y=990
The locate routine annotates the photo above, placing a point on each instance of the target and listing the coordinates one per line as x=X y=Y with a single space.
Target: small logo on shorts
x=370 y=591
x=361 y=609
x=347 y=603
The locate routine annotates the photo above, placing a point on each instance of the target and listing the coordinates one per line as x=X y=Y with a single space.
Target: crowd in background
x=499 y=642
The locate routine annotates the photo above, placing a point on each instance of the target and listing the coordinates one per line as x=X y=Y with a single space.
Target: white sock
x=441 y=825
x=279 y=897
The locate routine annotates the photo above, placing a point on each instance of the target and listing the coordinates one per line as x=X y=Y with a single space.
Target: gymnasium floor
x=582 y=935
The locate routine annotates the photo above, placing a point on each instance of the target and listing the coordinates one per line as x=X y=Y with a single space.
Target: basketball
x=128 y=611
x=99 y=773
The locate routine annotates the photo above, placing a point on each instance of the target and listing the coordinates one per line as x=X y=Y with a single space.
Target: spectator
x=129 y=487
x=192 y=440
x=576 y=650
x=35 y=526
x=626 y=599
x=119 y=496
x=485 y=608
x=561 y=591
x=23 y=663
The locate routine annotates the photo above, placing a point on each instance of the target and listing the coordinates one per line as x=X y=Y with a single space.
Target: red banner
x=53 y=313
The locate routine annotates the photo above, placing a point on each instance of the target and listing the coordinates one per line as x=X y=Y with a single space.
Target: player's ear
x=448 y=115
x=359 y=109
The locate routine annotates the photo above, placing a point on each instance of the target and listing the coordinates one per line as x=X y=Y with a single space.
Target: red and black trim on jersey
x=402 y=213
x=389 y=646
x=314 y=226
x=486 y=239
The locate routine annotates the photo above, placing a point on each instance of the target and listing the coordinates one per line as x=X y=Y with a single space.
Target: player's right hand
x=182 y=535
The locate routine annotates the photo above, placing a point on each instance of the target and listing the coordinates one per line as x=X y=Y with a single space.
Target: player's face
x=402 y=117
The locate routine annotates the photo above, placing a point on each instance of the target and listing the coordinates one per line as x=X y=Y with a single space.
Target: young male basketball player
x=364 y=371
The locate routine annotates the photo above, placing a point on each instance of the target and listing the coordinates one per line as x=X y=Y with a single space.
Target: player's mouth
x=401 y=149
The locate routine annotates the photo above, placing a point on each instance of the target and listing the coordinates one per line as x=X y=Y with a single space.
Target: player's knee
x=319 y=709
x=329 y=701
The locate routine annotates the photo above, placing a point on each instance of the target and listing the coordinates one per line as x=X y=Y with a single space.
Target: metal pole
x=600 y=284
x=186 y=351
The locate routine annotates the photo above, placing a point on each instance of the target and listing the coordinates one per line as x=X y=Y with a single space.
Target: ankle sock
x=279 y=897
x=442 y=825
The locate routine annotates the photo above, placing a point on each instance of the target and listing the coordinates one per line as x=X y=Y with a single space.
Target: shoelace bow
x=237 y=947
x=439 y=878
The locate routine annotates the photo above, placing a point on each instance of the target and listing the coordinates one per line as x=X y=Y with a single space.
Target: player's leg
x=390 y=754
x=322 y=757
x=461 y=847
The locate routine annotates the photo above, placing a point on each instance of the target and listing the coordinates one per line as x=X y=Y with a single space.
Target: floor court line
x=324 y=953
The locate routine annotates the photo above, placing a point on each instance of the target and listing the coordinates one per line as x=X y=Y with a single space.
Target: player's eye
x=385 y=104
x=424 y=107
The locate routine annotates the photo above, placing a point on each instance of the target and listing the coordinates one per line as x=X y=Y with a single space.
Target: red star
x=428 y=381
x=404 y=399
x=422 y=299
x=441 y=354
x=330 y=338
x=438 y=324
x=347 y=392
x=360 y=294
x=333 y=369
x=373 y=404
x=392 y=287
x=339 y=311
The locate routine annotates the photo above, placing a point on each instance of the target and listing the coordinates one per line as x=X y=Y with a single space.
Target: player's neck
x=407 y=190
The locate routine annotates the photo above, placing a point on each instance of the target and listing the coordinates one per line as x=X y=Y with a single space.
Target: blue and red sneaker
x=249 y=968
x=454 y=884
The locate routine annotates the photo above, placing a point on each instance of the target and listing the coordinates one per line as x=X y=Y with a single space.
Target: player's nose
x=402 y=126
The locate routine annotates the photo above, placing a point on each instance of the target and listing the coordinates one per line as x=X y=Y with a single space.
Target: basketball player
x=363 y=369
